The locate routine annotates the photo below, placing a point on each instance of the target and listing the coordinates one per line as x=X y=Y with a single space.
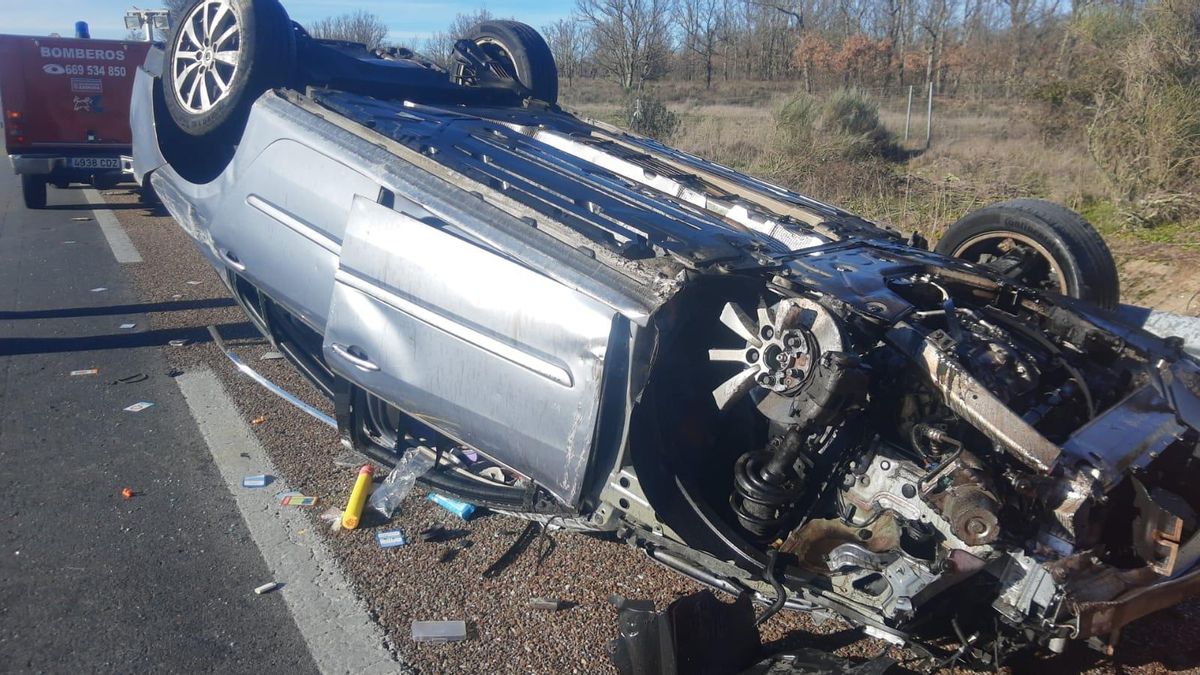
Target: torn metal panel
x=491 y=353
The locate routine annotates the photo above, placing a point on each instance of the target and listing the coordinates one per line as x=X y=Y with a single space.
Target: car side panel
x=489 y=351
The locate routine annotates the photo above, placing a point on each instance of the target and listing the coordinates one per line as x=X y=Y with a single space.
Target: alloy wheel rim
x=206 y=56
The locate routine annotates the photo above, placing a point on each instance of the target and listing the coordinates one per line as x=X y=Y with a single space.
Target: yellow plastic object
x=358 y=497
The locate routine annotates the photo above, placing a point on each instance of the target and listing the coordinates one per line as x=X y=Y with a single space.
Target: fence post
x=929 y=118
x=908 y=114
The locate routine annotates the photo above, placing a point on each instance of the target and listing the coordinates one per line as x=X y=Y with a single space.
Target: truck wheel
x=33 y=189
x=220 y=58
x=521 y=53
x=1038 y=244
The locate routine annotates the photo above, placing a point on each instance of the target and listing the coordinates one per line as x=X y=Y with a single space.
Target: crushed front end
x=923 y=449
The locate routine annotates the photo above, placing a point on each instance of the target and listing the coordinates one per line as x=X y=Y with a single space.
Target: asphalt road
x=91 y=581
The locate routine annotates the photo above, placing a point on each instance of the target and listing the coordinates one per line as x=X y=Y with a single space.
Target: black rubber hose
x=780 y=591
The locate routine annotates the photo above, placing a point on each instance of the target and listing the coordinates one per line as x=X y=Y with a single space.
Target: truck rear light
x=13 y=115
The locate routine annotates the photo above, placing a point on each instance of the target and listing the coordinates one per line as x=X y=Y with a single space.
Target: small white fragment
x=193 y=283
x=177 y=343
x=127 y=326
x=81 y=219
x=99 y=289
x=270 y=356
x=85 y=371
x=139 y=406
x=266 y=588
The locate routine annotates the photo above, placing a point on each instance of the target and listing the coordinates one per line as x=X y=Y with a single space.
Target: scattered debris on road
x=390 y=538
x=299 y=500
x=266 y=588
x=270 y=356
x=81 y=219
x=99 y=289
x=258 y=420
x=85 y=371
x=358 y=497
x=256 y=481
x=547 y=604
x=127 y=326
x=439 y=631
x=178 y=343
x=131 y=379
x=391 y=492
x=128 y=493
x=461 y=509
x=139 y=406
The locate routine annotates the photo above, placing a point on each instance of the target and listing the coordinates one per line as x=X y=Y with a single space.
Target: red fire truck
x=65 y=103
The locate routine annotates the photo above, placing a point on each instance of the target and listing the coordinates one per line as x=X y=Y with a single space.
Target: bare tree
x=630 y=38
x=440 y=46
x=176 y=9
x=358 y=26
x=566 y=40
x=704 y=24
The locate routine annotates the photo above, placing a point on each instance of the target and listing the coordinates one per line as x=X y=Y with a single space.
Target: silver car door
x=480 y=347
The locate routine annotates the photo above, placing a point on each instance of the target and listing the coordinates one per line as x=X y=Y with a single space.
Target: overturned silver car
x=759 y=390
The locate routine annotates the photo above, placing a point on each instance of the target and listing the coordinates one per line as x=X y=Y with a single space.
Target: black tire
x=33 y=190
x=265 y=50
x=512 y=43
x=1077 y=261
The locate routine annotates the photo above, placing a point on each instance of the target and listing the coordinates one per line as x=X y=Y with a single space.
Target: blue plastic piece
x=461 y=509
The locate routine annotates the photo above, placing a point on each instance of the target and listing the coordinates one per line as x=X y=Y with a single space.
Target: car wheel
x=521 y=53
x=222 y=56
x=33 y=190
x=1038 y=244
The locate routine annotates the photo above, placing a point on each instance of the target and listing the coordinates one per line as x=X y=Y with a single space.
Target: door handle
x=347 y=353
x=232 y=260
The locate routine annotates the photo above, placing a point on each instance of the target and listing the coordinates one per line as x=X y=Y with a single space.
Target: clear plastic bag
x=387 y=497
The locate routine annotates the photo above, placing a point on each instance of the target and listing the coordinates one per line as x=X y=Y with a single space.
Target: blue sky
x=406 y=20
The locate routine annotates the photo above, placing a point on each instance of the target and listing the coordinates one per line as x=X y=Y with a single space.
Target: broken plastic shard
x=177 y=343
x=85 y=371
x=439 y=631
x=139 y=406
x=270 y=356
x=256 y=481
x=387 y=497
x=127 y=326
x=99 y=289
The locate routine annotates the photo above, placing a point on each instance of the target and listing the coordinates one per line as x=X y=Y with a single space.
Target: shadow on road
x=152 y=338
x=143 y=308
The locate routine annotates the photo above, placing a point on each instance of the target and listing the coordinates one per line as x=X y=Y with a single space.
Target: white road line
x=122 y=248
x=340 y=634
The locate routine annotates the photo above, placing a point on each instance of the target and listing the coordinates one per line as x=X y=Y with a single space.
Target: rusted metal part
x=962 y=493
x=970 y=399
x=1105 y=619
x=811 y=542
x=1157 y=531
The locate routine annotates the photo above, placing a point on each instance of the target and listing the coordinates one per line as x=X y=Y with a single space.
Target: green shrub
x=844 y=125
x=648 y=116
